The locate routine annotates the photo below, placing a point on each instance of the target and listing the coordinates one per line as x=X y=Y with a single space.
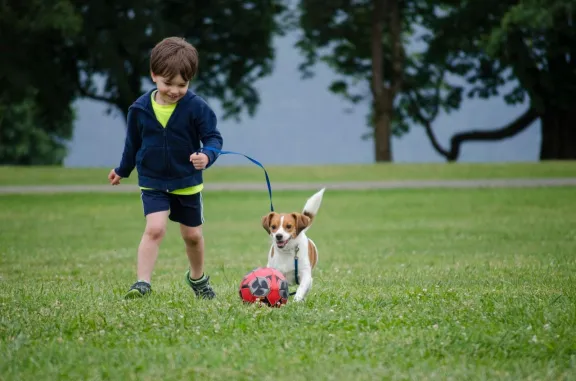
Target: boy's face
x=170 y=90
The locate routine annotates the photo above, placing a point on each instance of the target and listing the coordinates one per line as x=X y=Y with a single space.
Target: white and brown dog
x=292 y=252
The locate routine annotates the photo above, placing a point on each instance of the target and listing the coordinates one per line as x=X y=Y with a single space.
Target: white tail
x=313 y=204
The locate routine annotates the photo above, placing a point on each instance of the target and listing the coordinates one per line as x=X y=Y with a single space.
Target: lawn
x=470 y=284
x=251 y=173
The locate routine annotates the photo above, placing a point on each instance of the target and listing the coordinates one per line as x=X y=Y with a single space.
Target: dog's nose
x=279 y=237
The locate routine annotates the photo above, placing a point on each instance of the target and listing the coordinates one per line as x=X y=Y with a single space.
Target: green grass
x=250 y=173
x=474 y=284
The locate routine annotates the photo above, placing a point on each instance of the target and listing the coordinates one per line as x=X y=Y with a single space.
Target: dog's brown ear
x=302 y=222
x=266 y=221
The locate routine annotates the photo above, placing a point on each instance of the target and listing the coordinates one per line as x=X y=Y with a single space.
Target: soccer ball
x=266 y=285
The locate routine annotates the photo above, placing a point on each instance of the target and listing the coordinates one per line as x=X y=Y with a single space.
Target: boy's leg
x=150 y=244
x=187 y=210
x=194 y=242
x=156 y=208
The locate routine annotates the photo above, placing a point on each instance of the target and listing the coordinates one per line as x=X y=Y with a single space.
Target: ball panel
x=260 y=287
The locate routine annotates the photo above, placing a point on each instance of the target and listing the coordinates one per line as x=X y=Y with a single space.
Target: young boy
x=165 y=128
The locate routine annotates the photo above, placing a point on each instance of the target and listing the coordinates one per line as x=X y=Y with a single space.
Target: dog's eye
x=273 y=226
x=288 y=226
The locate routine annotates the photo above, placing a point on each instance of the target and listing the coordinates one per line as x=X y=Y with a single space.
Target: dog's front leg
x=304 y=287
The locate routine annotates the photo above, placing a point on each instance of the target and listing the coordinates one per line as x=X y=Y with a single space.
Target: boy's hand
x=113 y=178
x=199 y=160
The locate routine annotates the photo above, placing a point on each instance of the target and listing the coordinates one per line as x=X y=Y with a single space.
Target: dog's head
x=283 y=227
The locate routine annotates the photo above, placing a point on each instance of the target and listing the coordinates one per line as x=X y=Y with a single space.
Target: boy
x=165 y=128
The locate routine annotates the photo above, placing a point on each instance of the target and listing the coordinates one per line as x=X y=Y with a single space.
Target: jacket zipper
x=166 y=155
x=166 y=163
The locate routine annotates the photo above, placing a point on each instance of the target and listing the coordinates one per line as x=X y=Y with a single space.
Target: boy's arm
x=131 y=146
x=208 y=132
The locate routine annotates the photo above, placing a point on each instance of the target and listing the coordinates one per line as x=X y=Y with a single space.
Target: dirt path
x=359 y=185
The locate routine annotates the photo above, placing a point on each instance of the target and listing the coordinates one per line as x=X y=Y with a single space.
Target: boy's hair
x=173 y=56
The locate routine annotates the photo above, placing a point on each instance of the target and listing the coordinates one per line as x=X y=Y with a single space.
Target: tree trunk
x=385 y=13
x=383 y=128
x=558 y=134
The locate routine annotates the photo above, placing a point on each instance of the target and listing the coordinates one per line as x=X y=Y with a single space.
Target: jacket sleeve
x=131 y=146
x=208 y=132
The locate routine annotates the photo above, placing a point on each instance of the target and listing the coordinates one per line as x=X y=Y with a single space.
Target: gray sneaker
x=138 y=290
x=201 y=289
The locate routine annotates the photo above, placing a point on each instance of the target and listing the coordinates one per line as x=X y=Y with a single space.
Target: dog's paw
x=298 y=298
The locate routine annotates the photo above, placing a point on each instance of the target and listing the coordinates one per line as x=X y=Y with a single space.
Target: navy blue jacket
x=162 y=155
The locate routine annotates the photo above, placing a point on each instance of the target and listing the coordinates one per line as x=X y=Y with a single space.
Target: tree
x=24 y=141
x=58 y=49
x=531 y=43
x=38 y=80
x=234 y=40
x=362 y=41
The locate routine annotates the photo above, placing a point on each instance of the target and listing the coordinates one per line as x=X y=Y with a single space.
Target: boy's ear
x=153 y=77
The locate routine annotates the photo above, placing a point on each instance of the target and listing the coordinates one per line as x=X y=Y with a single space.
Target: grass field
x=252 y=173
x=475 y=284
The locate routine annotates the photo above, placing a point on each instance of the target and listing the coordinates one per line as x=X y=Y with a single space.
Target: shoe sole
x=133 y=294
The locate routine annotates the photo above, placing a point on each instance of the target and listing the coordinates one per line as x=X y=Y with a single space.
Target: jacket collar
x=144 y=102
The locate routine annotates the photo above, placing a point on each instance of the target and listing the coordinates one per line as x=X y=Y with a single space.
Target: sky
x=300 y=122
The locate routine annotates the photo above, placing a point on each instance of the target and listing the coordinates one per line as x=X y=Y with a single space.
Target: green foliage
x=28 y=138
x=338 y=34
x=481 y=45
x=65 y=49
x=234 y=40
x=531 y=43
x=38 y=79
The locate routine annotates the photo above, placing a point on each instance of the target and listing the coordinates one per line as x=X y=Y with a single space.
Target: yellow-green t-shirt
x=163 y=113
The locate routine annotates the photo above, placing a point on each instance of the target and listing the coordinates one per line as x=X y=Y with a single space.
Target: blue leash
x=219 y=152
x=252 y=160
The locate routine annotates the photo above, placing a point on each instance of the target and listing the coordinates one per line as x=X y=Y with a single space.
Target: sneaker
x=202 y=289
x=138 y=290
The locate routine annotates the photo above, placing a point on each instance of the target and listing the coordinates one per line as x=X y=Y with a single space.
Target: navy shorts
x=185 y=209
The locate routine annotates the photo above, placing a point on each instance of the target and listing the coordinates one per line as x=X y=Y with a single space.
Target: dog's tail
x=313 y=205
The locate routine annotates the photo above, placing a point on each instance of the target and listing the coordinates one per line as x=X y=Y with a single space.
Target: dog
x=289 y=242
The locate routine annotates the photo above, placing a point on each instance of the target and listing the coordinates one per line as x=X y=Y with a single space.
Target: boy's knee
x=155 y=232
x=192 y=236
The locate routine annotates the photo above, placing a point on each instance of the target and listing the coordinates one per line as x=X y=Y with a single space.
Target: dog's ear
x=266 y=221
x=302 y=222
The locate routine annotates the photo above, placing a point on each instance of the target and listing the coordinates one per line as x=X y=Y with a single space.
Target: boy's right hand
x=113 y=178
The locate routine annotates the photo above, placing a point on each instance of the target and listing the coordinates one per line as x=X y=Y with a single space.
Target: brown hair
x=173 y=56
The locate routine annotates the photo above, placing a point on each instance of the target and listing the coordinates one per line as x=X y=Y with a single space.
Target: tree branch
x=427 y=122
x=516 y=126
x=96 y=97
x=416 y=100
x=511 y=129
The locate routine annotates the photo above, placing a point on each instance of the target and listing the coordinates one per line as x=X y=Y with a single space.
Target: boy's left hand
x=199 y=160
